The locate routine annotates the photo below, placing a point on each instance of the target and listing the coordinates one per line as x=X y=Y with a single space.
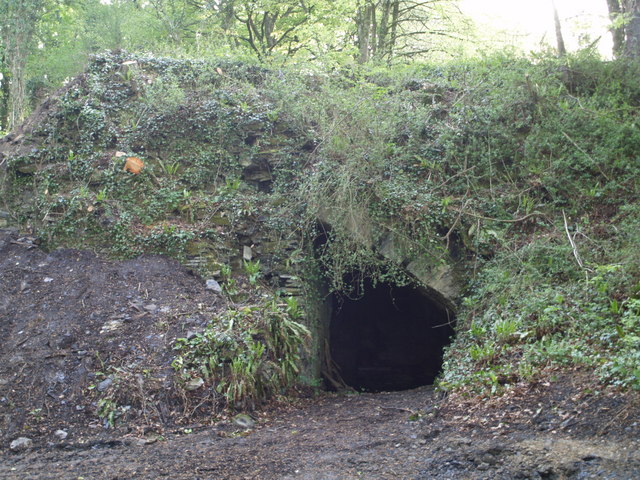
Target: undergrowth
x=245 y=355
x=536 y=307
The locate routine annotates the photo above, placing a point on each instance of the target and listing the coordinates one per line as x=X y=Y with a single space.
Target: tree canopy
x=43 y=42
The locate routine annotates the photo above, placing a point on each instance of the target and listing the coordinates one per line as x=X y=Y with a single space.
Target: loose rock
x=194 y=383
x=21 y=444
x=243 y=420
x=105 y=384
x=213 y=286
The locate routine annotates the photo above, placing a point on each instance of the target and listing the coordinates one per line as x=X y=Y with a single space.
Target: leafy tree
x=388 y=28
x=103 y=24
x=377 y=29
x=180 y=19
x=60 y=51
x=625 y=15
x=267 y=25
x=120 y=24
x=18 y=23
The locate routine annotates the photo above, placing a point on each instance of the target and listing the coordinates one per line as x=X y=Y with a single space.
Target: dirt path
x=325 y=438
x=382 y=436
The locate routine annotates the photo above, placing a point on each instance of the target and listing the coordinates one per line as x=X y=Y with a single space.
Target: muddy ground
x=70 y=320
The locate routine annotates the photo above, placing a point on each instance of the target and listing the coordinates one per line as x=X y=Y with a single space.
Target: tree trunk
x=394 y=26
x=17 y=89
x=625 y=17
x=18 y=22
x=617 y=30
x=4 y=99
x=364 y=32
x=632 y=29
x=227 y=15
x=268 y=27
x=373 y=31
x=562 y=50
x=383 y=29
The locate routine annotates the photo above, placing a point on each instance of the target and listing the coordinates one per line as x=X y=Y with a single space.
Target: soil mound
x=75 y=325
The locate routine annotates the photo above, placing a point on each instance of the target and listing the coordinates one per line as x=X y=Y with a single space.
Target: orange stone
x=133 y=165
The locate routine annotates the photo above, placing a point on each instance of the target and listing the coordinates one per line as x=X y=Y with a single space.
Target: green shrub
x=247 y=354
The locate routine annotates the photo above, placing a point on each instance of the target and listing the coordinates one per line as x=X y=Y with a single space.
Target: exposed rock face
x=443 y=281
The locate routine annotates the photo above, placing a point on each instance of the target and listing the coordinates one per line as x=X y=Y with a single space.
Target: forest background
x=46 y=42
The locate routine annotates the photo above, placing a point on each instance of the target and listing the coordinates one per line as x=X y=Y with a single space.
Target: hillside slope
x=506 y=189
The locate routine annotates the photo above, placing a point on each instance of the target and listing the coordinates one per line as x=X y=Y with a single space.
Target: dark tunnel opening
x=390 y=338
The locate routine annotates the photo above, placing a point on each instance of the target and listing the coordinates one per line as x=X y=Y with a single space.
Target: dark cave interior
x=389 y=338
